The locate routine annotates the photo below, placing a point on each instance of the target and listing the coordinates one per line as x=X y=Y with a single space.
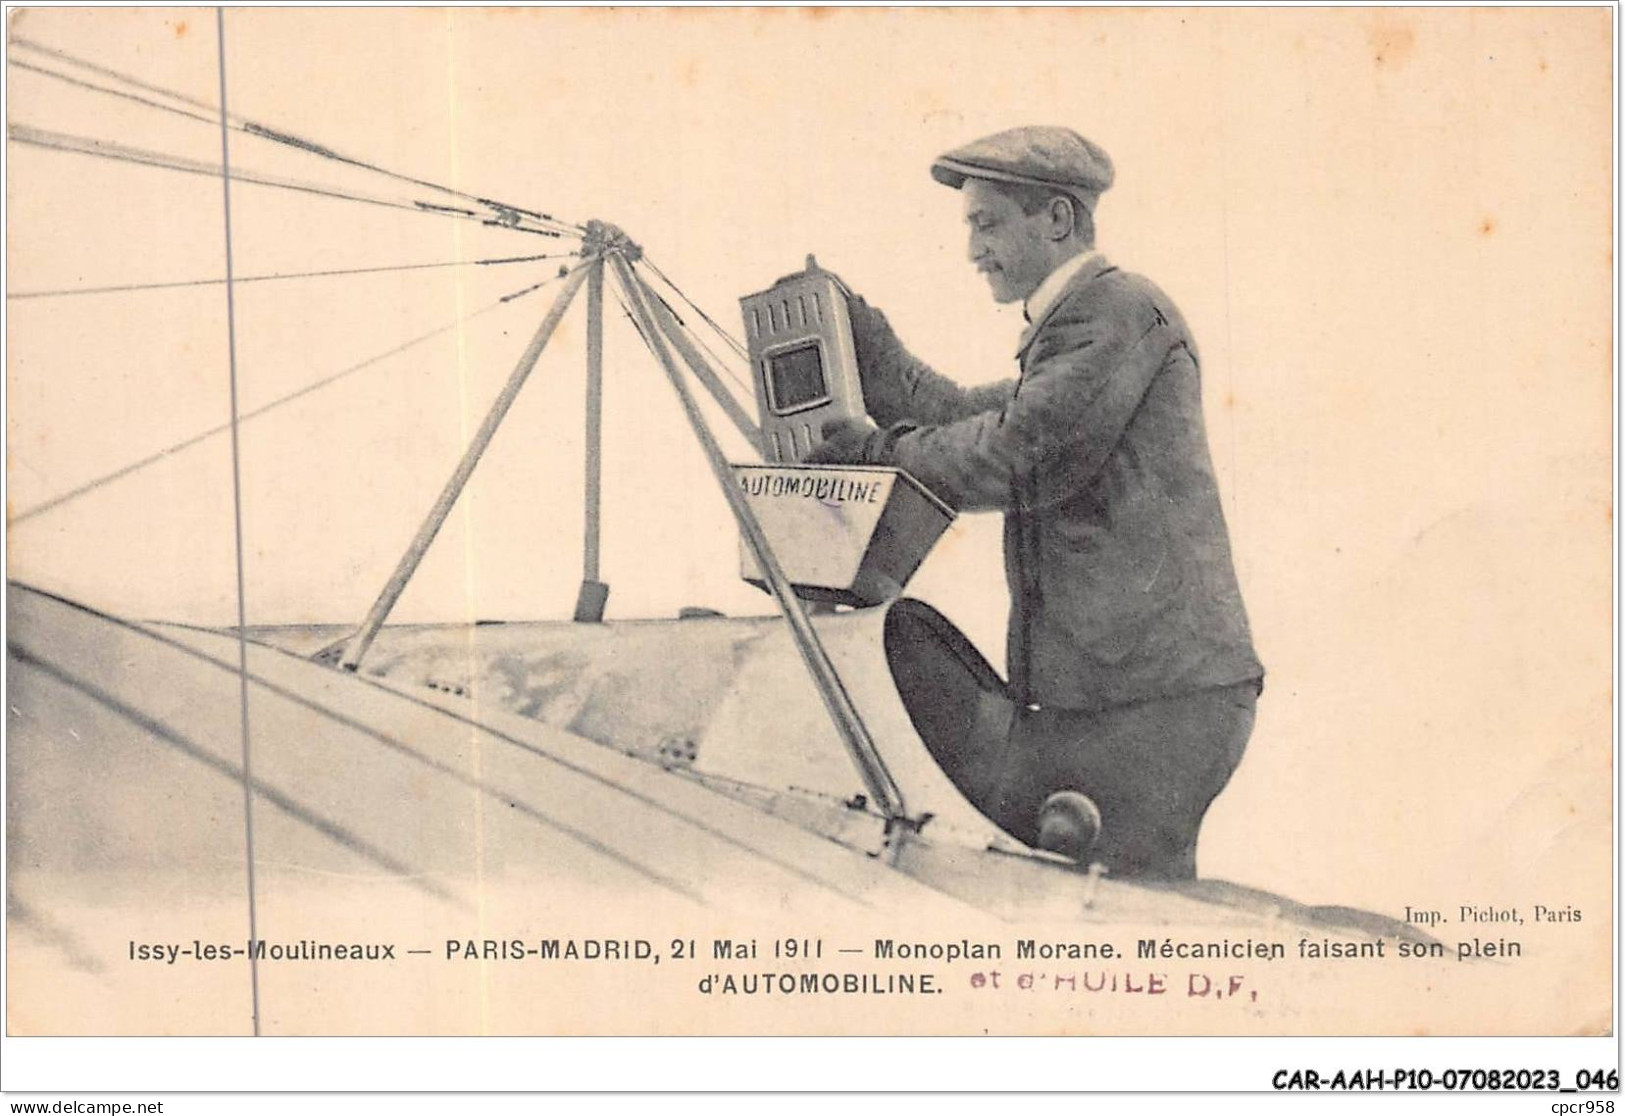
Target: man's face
x=1013 y=250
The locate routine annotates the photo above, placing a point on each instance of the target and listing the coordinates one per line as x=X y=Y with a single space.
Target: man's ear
x=1063 y=218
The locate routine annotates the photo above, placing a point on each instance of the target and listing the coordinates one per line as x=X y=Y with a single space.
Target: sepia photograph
x=718 y=522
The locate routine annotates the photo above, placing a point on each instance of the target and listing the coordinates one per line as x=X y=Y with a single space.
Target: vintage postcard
x=811 y=522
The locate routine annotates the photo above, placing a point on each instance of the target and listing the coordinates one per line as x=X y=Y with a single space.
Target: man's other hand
x=873 y=338
x=881 y=359
x=848 y=442
x=872 y=334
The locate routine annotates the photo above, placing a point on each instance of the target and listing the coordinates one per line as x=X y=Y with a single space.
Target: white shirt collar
x=1042 y=299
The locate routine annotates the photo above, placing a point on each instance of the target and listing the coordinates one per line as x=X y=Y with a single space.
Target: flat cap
x=1037 y=156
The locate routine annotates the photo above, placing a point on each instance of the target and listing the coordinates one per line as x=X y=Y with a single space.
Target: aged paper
x=1389 y=232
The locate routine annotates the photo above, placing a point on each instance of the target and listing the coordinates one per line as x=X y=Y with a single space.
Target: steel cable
x=505 y=211
x=187 y=443
x=118 y=152
x=732 y=341
x=65 y=292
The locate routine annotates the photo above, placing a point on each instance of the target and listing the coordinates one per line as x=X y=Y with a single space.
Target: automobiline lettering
x=819 y=984
x=839 y=490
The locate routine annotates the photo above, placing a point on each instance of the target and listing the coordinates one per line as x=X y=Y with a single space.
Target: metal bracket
x=899 y=831
x=590 y=601
x=602 y=238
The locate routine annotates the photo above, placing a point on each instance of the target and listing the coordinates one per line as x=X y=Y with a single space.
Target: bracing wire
x=118 y=152
x=507 y=214
x=626 y=311
x=19 y=64
x=692 y=334
x=238 y=280
x=733 y=342
x=64 y=56
x=265 y=408
x=487 y=211
x=523 y=291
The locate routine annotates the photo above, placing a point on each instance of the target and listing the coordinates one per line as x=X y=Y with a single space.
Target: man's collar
x=1042 y=300
x=1080 y=268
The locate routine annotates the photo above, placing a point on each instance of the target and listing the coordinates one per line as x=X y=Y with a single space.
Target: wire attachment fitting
x=602 y=238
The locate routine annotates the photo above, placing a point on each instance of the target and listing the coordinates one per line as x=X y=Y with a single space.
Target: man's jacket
x=1121 y=582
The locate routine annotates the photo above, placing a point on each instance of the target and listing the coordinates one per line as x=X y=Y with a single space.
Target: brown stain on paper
x=1392 y=44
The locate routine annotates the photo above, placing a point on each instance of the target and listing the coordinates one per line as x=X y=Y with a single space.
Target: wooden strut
x=594 y=593
x=605 y=243
x=882 y=788
x=705 y=373
x=358 y=644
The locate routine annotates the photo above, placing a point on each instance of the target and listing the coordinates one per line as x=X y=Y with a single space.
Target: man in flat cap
x=1132 y=672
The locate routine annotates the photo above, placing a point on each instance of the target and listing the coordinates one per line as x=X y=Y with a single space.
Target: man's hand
x=848 y=442
x=882 y=360
x=885 y=368
x=872 y=335
x=879 y=358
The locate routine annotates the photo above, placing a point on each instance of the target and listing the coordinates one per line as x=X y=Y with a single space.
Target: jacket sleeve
x=899 y=387
x=1086 y=374
x=934 y=399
